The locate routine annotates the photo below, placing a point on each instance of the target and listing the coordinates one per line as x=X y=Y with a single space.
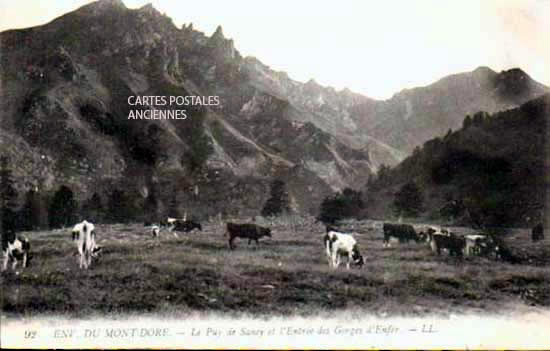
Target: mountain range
x=65 y=85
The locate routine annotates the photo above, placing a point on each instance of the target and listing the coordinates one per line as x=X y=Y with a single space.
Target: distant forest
x=490 y=173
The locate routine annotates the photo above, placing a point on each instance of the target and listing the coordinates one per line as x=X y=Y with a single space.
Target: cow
x=182 y=223
x=247 y=230
x=339 y=244
x=537 y=233
x=474 y=243
x=15 y=249
x=186 y=226
x=479 y=244
x=503 y=253
x=84 y=234
x=454 y=243
x=402 y=232
x=169 y=222
x=155 y=230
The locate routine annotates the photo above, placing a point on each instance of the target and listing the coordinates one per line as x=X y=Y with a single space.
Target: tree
x=408 y=200
x=382 y=176
x=8 y=200
x=33 y=214
x=479 y=118
x=346 y=204
x=173 y=206
x=63 y=208
x=151 y=206
x=200 y=144
x=120 y=207
x=93 y=209
x=279 y=201
x=467 y=122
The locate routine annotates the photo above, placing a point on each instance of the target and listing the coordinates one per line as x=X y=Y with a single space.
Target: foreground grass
x=287 y=275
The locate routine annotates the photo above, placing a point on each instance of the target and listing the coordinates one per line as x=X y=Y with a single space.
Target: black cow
x=454 y=243
x=186 y=226
x=537 y=233
x=246 y=230
x=402 y=232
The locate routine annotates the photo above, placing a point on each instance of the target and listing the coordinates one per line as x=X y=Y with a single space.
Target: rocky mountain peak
x=514 y=84
x=105 y=5
x=312 y=83
x=218 y=34
x=222 y=47
x=149 y=9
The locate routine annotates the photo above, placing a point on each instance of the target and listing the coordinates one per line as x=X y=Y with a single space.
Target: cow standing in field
x=155 y=231
x=474 y=244
x=186 y=226
x=454 y=243
x=479 y=244
x=402 y=232
x=341 y=244
x=248 y=231
x=537 y=233
x=84 y=235
x=15 y=249
x=425 y=232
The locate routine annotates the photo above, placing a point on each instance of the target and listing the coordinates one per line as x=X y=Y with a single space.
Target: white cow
x=84 y=235
x=338 y=244
x=15 y=249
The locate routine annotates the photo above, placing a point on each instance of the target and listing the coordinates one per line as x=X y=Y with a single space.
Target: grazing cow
x=169 y=222
x=155 y=230
x=84 y=234
x=503 y=253
x=425 y=232
x=16 y=249
x=246 y=230
x=186 y=226
x=402 y=232
x=474 y=244
x=479 y=244
x=454 y=243
x=338 y=244
x=537 y=233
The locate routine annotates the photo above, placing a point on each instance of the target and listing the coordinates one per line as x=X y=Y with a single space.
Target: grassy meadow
x=285 y=275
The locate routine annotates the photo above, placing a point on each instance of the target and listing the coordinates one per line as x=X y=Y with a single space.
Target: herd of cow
x=337 y=244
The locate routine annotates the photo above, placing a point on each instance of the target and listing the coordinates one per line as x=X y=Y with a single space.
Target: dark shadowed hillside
x=491 y=172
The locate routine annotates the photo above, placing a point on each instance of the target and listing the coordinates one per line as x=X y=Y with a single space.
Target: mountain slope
x=393 y=128
x=64 y=102
x=491 y=172
x=65 y=90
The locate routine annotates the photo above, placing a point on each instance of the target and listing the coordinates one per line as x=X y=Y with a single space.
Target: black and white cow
x=474 y=243
x=339 y=244
x=248 y=231
x=15 y=249
x=155 y=230
x=479 y=244
x=186 y=226
x=402 y=232
x=84 y=235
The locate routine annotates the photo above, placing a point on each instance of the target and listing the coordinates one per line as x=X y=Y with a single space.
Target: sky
x=376 y=48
